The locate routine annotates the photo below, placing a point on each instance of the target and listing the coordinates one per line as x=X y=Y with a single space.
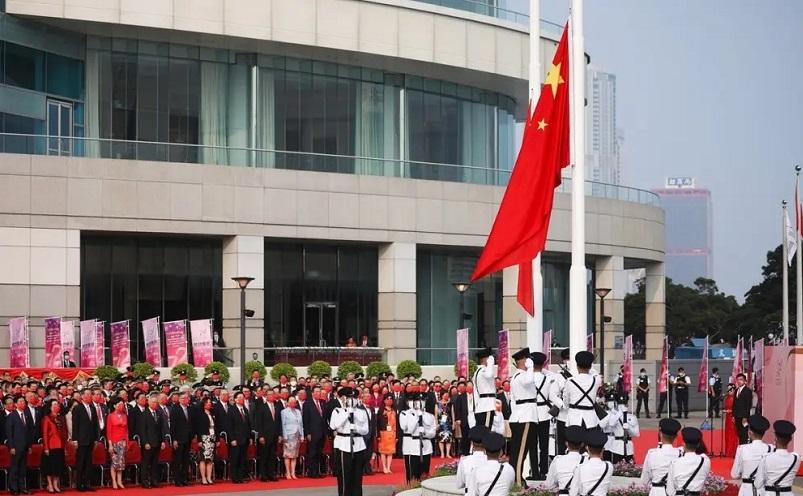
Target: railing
x=303 y=161
x=484 y=8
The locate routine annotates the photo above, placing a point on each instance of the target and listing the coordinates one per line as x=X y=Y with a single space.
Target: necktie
x=318 y=405
x=22 y=416
x=185 y=413
x=153 y=412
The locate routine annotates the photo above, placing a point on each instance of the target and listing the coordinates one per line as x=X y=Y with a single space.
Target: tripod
x=710 y=420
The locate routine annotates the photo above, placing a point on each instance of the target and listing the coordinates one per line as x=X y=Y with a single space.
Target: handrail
x=39 y=144
x=485 y=8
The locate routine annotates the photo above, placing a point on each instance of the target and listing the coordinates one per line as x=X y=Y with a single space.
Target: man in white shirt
x=485 y=388
x=778 y=469
x=418 y=428
x=350 y=425
x=655 y=470
x=748 y=458
x=593 y=477
x=687 y=473
x=493 y=478
x=624 y=427
x=580 y=393
x=561 y=471
x=523 y=415
x=468 y=463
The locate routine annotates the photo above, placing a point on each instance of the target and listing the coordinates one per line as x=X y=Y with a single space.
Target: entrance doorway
x=320 y=324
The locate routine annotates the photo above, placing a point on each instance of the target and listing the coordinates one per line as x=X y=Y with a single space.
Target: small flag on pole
x=791 y=241
x=627 y=373
x=702 y=380
x=663 y=375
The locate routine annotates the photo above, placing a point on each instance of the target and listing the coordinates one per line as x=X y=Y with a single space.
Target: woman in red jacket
x=117 y=436
x=54 y=439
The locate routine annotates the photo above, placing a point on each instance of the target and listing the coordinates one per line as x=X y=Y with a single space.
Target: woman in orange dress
x=387 y=433
x=731 y=439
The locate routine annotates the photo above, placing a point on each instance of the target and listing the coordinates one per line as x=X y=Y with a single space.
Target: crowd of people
x=561 y=428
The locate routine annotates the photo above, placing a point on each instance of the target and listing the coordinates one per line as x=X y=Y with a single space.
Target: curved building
x=349 y=155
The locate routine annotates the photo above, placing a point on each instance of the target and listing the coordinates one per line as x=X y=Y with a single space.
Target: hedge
x=408 y=367
x=220 y=368
x=281 y=369
x=107 y=372
x=251 y=366
x=377 y=369
x=319 y=368
x=349 y=367
x=188 y=369
x=143 y=370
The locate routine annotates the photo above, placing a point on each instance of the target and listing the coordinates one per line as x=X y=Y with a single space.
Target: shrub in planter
x=377 y=369
x=319 y=368
x=220 y=368
x=253 y=365
x=349 y=367
x=187 y=369
x=106 y=372
x=472 y=367
x=281 y=369
x=408 y=367
x=143 y=370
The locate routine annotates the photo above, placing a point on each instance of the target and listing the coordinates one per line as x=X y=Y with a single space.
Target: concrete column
x=40 y=276
x=610 y=274
x=396 y=315
x=514 y=318
x=655 y=300
x=244 y=256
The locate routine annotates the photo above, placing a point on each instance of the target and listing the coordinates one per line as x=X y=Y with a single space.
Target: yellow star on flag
x=553 y=79
x=542 y=124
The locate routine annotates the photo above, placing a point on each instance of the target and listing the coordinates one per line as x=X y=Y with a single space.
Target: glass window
x=65 y=76
x=24 y=67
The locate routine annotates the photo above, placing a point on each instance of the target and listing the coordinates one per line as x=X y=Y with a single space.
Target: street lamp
x=602 y=293
x=243 y=283
x=461 y=288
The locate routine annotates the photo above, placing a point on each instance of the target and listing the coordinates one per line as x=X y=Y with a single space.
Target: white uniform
x=683 y=473
x=561 y=471
x=480 y=480
x=498 y=425
x=339 y=423
x=746 y=464
x=417 y=434
x=655 y=470
x=619 y=422
x=523 y=395
x=467 y=465
x=485 y=387
x=580 y=394
x=592 y=478
x=777 y=471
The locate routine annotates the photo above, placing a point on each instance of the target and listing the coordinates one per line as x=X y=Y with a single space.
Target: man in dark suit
x=742 y=404
x=221 y=413
x=151 y=430
x=66 y=361
x=461 y=413
x=141 y=400
x=238 y=438
x=268 y=425
x=85 y=433
x=315 y=429
x=19 y=438
x=181 y=435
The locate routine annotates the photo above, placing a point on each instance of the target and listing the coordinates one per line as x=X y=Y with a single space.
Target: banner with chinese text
x=121 y=347
x=176 y=342
x=201 y=334
x=153 y=342
x=18 y=349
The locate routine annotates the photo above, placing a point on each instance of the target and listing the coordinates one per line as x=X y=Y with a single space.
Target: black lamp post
x=243 y=283
x=461 y=288
x=602 y=293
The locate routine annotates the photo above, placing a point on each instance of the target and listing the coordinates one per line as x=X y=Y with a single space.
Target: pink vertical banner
x=153 y=342
x=627 y=373
x=121 y=344
x=702 y=379
x=663 y=375
x=779 y=388
x=100 y=342
x=67 y=332
x=89 y=349
x=176 y=342
x=504 y=354
x=462 y=352
x=201 y=334
x=53 y=343
x=590 y=342
x=547 y=348
x=758 y=369
x=18 y=346
x=737 y=361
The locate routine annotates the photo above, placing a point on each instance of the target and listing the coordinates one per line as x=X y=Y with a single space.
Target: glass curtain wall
x=136 y=278
x=438 y=305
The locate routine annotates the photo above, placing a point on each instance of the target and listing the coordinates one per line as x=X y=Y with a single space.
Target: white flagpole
x=578 y=289
x=798 y=269
x=535 y=323
x=785 y=263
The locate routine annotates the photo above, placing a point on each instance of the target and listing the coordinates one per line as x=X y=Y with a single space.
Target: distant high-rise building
x=689 y=230
x=602 y=136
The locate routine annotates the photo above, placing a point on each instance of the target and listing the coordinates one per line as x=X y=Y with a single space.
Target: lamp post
x=461 y=288
x=602 y=293
x=243 y=283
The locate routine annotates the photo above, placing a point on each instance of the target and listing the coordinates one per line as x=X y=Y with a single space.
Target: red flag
x=520 y=229
x=627 y=373
x=663 y=375
x=702 y=380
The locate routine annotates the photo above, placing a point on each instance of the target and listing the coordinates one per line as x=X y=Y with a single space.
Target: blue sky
x=709 y=89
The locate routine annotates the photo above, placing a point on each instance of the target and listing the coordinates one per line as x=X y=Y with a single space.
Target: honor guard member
x=349 y=424
x=655 y=471
x=547 y=406
x=682 y=392
x=624 y=426
x=778 y=469
x=714 y=393
x=687 y=473
x=418 y=429
x=748 y=458
x=561 y=471
x=560 y=383
x=643 y=393
x=580 y=393
x=593 y=477
x=523 y=415
x=485 y=388
x=468 y=463
x=493 y=478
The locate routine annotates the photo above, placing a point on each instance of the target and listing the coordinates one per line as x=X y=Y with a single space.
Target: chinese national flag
x=520 y=229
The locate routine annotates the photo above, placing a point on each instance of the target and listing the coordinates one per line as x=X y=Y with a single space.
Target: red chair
x=34 y=461
x=69 y=461
x=326 y=454
x=5 y=462
x=251 y=457
x=133 y=457
x=222 y=455
x=302 y=456
x=100 y=459
x=195 y=454
x=166 y=458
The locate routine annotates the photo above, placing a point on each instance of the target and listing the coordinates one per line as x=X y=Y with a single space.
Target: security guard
x=485 y=388
x=523 y=414
x=643 y=393
x=682 y=383
x=350 y=425
x=561 y=471
x=748 y=458
x=580 y=393
x=624 y=427
x=593 y=477
x=687 y=473
x=493 y=478
x=714 y=393
x=467 y=464
x=418 y=429
x=655 y=470
x=778 y=469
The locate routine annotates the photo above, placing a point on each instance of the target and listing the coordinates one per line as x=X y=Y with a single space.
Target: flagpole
x=799 y=267
x=785 y=263
x=535 y=323
x=578 y=287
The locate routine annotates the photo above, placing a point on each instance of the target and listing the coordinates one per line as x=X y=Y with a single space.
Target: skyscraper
x=602 y=137
x=689 y=230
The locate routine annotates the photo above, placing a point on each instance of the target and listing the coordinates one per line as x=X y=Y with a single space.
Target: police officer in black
x=682 y=383
x=643 y=393
x=714 y=393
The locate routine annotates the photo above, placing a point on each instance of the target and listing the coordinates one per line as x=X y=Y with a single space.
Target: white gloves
x=529 y=364
x=491 y=361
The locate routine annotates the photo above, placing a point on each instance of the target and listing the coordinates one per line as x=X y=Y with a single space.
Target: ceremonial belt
x=413 y=436
x=350 y=434
x=690 y=493
x=777 y=490
x=580 y=407
x=585 y=394
x=748 y=481
x=659 y=484
x=532 y=400
x=487 y=395
x=563 y=491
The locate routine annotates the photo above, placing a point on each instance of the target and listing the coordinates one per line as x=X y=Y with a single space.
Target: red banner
x=201 y=334
x=100 y=341
x=53 y=357
x=89 y=347
x=663 y=375
x=503 y=352
x=462 y=352
x=627 y=373
x=121 y=347
x=176 y=342
x=702 y=380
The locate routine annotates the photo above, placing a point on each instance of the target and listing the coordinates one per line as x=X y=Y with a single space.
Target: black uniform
x=643 y=395
x=682 y=395
x=714 y=396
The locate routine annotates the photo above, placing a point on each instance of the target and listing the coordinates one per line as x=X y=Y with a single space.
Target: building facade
x=689 y=230
x=603 y=139
x=349 y=155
